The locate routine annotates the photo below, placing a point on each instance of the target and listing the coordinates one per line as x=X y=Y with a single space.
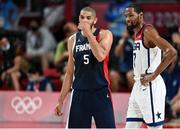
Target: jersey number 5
x=86 y=59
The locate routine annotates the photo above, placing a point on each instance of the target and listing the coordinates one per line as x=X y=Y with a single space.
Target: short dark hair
x=137 y=7
x=89 y=9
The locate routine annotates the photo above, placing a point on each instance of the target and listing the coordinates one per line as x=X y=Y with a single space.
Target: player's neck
x=138 y=28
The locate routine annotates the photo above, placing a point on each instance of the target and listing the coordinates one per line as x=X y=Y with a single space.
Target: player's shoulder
x=72 y=37
x=149 y=28
x=71 y=40
x=105 y=32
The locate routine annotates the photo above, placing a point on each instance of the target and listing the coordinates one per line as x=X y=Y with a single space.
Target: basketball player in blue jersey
x=147 y=100
x=88 y=61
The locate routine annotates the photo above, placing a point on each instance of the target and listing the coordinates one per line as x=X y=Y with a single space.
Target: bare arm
x=154 y=39
x=100 y=50
x=67 y=80
x=69 y=73
x=168 y=50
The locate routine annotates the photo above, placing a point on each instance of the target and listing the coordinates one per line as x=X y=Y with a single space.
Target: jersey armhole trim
x=74 y=42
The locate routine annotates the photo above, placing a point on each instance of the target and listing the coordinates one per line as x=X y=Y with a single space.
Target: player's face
x=87 y=17
x=132 y=18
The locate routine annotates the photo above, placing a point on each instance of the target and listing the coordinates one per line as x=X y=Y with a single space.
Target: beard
x=131 y=27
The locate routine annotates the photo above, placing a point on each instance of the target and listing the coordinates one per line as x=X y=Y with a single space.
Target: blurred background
x=33 y=56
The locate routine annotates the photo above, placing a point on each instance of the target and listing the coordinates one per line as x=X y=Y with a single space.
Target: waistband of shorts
x=137 y=79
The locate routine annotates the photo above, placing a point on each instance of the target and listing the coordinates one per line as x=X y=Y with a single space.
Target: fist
x=84 y=26
x=58 y=110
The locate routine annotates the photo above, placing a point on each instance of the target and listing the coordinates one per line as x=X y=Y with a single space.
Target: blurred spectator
x=124 y=74
x=37 y=81
x=175 y=36
x=53 y=15
x=175 y=103
x=40 y=43
x=176 y=40
x=117 y=25
x=172 y=81
x=14 y=66
x=8 y=14
x=115 y=15
x=61 y=53
x=171 y=76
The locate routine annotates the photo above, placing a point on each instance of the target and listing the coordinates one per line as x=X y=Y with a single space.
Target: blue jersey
x=89 y=74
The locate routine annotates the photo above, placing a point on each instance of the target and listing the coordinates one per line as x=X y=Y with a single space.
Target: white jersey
x=145 y=60
x=146 y=103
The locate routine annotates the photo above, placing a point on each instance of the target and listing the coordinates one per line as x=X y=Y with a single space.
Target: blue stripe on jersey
x=143 y=41
x=155 y=123
x=141 y=120
x=148 y=53
x=135 y=119
x=152 y=105
x=150 y=83
x=148 y=57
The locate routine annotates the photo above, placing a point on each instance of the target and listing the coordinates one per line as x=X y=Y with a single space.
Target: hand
x=146 y=78
x=58 y=109
x=85 y=27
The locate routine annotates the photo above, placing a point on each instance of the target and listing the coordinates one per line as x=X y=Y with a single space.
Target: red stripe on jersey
x=138 y=37
x=105 y=68
x=105 y=63
x=139 y=34
x=106 y=71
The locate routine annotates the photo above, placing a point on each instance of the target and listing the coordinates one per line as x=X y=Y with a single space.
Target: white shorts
x=147 y=103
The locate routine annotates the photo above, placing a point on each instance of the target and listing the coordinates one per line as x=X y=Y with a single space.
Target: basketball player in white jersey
x=147 y=100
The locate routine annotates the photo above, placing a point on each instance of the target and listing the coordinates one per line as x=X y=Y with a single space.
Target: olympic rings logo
x=26 y=105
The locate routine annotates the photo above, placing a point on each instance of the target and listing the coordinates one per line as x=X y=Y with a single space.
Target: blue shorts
x=86 y=104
